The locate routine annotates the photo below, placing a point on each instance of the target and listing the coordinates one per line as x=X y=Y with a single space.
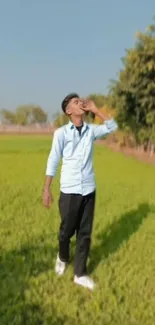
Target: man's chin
x=79 y=113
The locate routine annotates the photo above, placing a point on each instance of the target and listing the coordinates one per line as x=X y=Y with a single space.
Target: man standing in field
x=73 y=143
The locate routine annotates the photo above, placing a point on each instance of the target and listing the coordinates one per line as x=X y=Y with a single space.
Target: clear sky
x=49 y=48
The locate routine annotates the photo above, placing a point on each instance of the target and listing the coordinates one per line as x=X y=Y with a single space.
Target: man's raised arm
x=109 y=125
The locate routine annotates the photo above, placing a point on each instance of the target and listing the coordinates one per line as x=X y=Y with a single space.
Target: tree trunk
x=152 y=149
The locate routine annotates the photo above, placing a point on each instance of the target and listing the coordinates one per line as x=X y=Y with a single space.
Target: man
x=74 y=144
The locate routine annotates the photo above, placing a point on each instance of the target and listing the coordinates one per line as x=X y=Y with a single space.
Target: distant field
x=122 y=260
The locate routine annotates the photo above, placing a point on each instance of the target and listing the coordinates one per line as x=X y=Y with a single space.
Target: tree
x=99 y=99
x=28 y=114
x=38 y=115
x=8 y=116
x=134 y=92
x=60 y=119
x=23 y=114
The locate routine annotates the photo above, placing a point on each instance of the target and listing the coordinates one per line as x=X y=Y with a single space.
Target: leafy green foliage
x=8 y=116
x=99 y=99
x=134 y=92
x=60 y=119
x=123 y=243
x=25 y=114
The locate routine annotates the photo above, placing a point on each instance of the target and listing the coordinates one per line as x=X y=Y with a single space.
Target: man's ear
x=68 y=111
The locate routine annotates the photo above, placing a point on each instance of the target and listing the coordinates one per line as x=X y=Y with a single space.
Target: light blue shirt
x=77 y=173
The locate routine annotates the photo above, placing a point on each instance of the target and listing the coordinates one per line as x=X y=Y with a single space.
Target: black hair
x=67 y=99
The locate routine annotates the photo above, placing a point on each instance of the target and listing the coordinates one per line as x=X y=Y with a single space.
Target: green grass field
x=122 y=259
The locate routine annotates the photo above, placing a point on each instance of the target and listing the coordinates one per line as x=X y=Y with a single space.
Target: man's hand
x=47 y=198
x=89 y=106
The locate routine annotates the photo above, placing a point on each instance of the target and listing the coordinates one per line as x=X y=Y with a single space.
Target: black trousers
x=77 y=214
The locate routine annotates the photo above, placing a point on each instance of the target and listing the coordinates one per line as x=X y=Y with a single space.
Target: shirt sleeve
x=104 y=129
x=55 y=153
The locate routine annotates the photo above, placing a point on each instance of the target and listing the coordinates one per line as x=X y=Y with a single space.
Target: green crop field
x=122 y=259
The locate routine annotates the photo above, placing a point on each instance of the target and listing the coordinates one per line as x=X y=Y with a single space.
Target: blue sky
x=49 y=48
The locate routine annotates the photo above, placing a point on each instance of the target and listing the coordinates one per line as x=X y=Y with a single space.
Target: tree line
x=24 y=115
x=131 y=97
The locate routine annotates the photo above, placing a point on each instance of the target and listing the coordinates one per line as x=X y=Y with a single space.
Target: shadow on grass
x=114 y=235
x=16 y=269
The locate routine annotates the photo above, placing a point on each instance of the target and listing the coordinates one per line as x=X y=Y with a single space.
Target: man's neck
x=77 y=121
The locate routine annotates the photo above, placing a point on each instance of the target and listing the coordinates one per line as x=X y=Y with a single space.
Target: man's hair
x=67 y=99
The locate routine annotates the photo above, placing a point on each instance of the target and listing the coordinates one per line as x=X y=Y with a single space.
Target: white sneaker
x=85 y=281
x=59 y=266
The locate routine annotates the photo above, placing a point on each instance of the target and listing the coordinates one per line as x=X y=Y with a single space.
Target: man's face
x=74 y=107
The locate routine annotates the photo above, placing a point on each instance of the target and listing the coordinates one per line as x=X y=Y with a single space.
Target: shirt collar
x=72 y=126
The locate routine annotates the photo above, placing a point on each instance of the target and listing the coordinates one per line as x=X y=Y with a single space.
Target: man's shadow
x=109 y=240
